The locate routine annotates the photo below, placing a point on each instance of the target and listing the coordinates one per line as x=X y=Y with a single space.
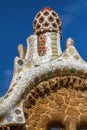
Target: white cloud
x=8 y=73
x=72 y=10
x=7 y=76
x=76 y=7
x=6 y=79
x=66 y=19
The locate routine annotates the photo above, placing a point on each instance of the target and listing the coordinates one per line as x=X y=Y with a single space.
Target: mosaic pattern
x=47 y=20
x=15 y=115
x=41 y=60
x=17 y=111
x=42 y=49
x=20 y=62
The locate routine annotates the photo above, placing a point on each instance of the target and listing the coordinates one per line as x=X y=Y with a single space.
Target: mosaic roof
x=47 y=20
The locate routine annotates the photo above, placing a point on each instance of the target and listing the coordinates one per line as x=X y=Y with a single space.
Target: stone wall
x=60 y=101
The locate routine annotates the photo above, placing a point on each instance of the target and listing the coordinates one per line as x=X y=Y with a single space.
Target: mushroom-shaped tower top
x=47 y=20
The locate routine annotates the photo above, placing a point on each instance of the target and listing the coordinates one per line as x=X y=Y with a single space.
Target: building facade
x=49 y=87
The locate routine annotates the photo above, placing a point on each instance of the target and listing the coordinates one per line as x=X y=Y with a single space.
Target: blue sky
x=16 y=17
